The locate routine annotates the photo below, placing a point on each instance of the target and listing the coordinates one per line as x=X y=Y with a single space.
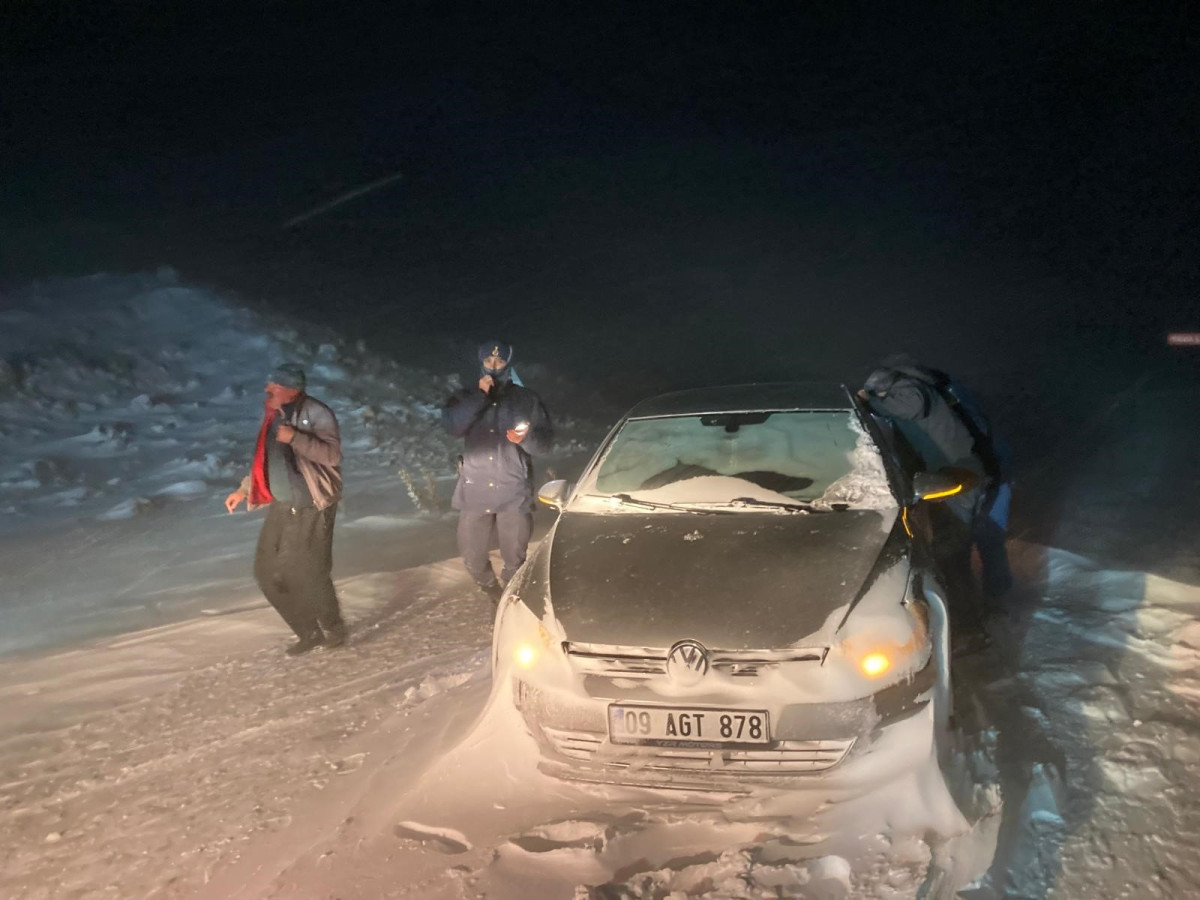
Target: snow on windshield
x=819 y=457
x=866 y=485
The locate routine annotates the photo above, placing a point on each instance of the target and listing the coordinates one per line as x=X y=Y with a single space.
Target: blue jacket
x=497 y=474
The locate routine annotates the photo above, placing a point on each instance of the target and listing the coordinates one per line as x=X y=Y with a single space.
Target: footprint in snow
x=447 y=840
x=349 y=764
x=536 y=843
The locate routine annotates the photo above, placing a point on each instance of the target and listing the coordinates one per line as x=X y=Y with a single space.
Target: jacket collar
x=291 y=411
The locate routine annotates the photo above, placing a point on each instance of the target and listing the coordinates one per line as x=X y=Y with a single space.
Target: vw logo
x=687 y=662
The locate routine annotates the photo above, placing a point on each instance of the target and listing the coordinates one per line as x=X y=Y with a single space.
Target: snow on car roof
x=766 y=397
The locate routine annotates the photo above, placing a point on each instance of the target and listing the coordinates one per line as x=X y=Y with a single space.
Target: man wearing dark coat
x=945 y=427
x=503 y=425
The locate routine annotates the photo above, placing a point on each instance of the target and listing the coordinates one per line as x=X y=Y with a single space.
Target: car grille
x=785 y=758
x=645 y=662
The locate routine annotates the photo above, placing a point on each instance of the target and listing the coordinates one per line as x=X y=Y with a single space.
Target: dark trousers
x=513 y=526
x=292 y=567
x=951 y=546
x=989 y=532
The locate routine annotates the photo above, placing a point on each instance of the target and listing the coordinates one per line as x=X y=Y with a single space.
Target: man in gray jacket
x=297 y=474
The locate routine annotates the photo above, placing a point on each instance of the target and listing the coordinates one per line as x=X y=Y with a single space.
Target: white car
x=736 y=591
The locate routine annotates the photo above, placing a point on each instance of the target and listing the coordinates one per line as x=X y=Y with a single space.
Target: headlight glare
x=526 y=655
x=875 y=664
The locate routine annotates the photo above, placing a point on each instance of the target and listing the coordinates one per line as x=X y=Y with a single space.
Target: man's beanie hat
x=288 y=375
x=495 y=348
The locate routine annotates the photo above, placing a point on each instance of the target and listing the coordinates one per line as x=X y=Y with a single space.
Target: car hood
x=747 y=580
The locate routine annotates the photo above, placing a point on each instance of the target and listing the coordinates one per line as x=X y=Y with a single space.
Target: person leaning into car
x=939 y=429
x=503 y=424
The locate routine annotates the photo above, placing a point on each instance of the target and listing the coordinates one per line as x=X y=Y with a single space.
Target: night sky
x=638 y=195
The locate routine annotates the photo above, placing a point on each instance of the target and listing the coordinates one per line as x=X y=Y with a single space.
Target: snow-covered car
x=735 y=591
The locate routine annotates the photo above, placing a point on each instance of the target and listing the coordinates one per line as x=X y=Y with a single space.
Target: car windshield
x=823 y=459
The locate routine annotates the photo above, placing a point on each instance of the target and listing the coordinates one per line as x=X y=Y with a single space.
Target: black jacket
x=496 y=473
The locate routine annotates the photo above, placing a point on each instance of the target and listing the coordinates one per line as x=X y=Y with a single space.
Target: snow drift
x=128 y=408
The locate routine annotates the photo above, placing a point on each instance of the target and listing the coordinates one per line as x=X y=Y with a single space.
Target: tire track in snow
x=151 y=794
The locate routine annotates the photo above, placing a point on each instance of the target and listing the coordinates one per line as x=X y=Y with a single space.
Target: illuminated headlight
x=873 y=665
x=881 y=650
x=526 y=655
x=532 y=644
x=876 y=659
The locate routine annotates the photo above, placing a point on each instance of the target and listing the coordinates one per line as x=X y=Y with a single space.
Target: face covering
x=499 y=376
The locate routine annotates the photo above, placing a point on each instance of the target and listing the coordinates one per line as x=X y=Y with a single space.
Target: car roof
x=764 y=397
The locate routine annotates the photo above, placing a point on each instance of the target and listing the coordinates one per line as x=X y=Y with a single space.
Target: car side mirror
x=935 y=486
x=554 y=493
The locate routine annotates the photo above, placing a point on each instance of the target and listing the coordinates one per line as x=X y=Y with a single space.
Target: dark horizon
x=677 y=194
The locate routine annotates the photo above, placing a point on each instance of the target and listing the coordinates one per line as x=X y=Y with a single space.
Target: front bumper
x=813 y=742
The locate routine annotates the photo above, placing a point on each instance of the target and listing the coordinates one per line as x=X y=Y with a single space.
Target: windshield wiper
x=627 y=500
x=754 y=503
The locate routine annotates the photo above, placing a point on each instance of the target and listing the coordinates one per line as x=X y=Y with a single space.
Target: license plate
x=680 y=726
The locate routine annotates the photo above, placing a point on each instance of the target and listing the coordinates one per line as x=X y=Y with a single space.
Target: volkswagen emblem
x=687 y=662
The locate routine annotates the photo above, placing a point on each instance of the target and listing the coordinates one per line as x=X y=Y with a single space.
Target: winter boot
x=335 y=635
x=310 y=642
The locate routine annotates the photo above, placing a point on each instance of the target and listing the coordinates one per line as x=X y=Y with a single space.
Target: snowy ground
x=191 y=759
x=128 y=409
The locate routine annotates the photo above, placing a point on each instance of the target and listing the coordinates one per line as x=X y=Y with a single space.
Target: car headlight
x=525 y=643
x=879 y=651
x=527 y=653
x=875 y=664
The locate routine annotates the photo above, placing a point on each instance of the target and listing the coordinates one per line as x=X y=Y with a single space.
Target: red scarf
x=260 y=486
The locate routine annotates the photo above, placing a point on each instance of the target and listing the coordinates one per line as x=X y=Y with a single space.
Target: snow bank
x=128 y=410
x=1097 y=731
x=119 y=390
